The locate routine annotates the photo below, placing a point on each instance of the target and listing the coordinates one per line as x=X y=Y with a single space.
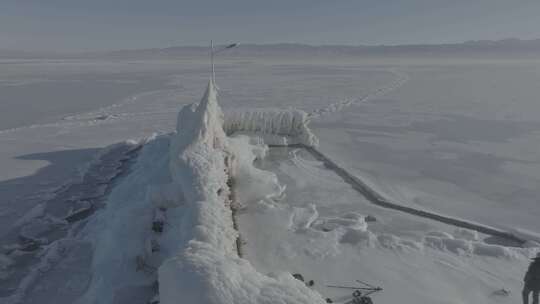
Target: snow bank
x=202 y=163
x=275 y=126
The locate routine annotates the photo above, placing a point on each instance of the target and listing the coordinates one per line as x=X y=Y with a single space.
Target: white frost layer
x=207 y=269
x=289 y=125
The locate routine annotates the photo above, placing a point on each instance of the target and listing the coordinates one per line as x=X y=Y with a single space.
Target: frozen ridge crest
x=206 y=267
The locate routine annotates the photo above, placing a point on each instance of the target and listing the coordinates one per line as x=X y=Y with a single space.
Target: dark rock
x=298 y=277
x=370 y=218
x=157 y=226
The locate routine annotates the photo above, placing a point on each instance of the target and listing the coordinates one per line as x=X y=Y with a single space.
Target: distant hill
x=477 y=48
x=505 y=47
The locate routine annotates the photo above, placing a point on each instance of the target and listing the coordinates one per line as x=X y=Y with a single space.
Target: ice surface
x=471 y=116
x=452 y=139
x=318 y=230
x=456 y=137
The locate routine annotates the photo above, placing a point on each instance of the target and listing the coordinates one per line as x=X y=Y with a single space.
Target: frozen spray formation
x=275 y=126
x=206 y=268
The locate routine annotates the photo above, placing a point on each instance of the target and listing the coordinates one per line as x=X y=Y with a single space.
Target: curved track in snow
x=98 y=116
x=400 y=79
x=378 y=199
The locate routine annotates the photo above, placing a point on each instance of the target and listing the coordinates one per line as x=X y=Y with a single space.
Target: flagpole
x=212 y=53
x=212 y=62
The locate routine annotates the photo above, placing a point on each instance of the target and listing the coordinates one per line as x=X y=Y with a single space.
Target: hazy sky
x=113 y=24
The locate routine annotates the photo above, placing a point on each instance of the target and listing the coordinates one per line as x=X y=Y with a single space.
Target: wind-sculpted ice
x=275 y=126
x=207 y=269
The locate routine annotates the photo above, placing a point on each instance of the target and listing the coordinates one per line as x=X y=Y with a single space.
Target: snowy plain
x=459 y=138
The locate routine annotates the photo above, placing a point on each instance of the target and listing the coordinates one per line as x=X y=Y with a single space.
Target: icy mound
x=207 y=269
x=198 y=151
x=275 y=126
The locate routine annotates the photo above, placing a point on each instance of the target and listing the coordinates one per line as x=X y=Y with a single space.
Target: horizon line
x=83 y=51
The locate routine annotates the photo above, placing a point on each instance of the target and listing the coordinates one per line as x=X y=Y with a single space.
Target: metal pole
x=212 y=62
x=212 y=53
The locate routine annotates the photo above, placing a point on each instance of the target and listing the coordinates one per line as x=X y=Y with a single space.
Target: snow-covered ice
x=456 y=138
x=320 y=230
x=450 y=140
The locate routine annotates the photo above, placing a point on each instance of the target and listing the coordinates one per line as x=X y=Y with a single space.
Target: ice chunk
x=440 y=234
x=80 y=210
x=301 y=218
x=495 y=251
x=466 y=234
x=362 y=237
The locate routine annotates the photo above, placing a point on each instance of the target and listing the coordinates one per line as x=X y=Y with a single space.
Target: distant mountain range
x=476 y=48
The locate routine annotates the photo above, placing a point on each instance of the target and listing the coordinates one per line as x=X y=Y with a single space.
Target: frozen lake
x=459 y=138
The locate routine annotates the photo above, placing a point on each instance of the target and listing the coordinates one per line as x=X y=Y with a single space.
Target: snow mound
x=466 y=234
x=470 y=246
x=275 y=126
x=203 y=274
x=207 y=269
x=252 y=184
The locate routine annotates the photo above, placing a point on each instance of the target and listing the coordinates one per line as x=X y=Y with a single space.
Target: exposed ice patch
x=495 y=251
x=37 y=211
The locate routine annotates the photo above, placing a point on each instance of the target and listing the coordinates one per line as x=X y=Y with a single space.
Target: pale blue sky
x=114 y=24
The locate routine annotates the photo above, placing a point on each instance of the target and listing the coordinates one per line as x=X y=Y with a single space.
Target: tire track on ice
x=99 y=116
x=92 y=121
x=401 y=79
